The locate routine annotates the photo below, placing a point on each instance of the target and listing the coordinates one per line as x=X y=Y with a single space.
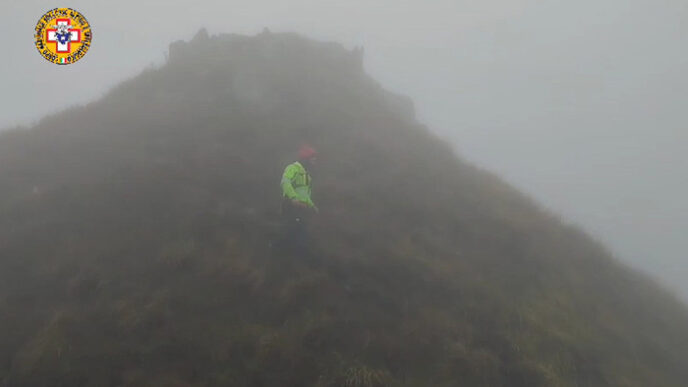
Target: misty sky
x=582 y=104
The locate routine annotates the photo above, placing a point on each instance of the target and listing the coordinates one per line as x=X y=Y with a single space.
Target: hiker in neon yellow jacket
x=297 y=204
x=296 y=181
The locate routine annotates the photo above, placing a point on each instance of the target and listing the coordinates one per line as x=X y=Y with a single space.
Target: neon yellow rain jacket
x=296 y=184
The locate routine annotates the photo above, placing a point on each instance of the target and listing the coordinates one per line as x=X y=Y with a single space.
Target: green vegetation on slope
x=134 y=245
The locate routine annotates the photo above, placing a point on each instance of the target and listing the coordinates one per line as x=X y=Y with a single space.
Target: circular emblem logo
x=63 y=36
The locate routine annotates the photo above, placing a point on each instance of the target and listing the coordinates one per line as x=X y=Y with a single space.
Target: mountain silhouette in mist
x=136 y=244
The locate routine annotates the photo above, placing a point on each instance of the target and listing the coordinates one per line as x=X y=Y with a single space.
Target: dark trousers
x=295 y=228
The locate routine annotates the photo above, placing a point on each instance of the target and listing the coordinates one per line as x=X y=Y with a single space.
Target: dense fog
x=578 y=103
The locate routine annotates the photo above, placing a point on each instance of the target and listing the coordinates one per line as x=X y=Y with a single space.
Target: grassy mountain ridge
x=135 y=244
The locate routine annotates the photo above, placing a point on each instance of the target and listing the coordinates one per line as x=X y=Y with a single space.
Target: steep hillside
x=135 y=244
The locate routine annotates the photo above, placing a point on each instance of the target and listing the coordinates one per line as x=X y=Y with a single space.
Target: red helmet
x=306 y=152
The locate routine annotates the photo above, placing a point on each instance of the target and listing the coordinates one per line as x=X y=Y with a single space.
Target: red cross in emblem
x=63 y=47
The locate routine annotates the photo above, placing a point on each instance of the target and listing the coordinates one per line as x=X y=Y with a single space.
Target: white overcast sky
x=583 y=104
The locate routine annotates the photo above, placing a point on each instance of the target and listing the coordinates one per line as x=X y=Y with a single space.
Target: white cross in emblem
x=63 y=35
